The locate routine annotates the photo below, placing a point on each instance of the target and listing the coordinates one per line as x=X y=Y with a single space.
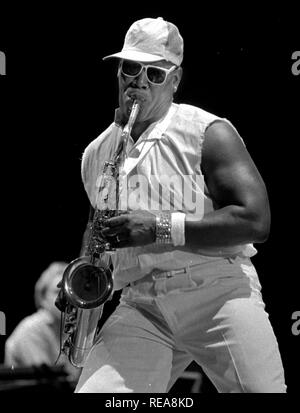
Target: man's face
x=153 y=99
x=51 y=294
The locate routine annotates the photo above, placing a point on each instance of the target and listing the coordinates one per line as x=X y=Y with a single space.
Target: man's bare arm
x=237 y=189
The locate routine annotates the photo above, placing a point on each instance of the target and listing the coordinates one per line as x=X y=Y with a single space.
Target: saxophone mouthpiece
x=134 y=112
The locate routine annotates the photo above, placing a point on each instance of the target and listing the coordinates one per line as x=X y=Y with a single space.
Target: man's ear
x=177 y=78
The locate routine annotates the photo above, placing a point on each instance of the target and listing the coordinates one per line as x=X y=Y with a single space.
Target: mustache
x=136 y=93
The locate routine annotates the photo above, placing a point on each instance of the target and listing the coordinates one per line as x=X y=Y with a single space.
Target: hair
x=43 y=283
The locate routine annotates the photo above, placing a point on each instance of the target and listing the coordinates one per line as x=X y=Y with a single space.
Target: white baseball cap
x=150 y=40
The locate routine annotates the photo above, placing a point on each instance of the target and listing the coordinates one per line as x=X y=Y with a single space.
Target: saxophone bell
x=86 y=287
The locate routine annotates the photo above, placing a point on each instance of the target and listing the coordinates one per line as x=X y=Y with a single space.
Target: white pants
x=212 y=314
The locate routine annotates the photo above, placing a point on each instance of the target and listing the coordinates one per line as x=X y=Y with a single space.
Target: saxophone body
x=87 y=281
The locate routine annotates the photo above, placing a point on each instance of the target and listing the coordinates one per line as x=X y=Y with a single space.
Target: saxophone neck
x=132 y=118
x=127 y=130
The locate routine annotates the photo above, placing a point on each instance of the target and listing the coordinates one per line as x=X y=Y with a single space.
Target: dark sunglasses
x=155 y=75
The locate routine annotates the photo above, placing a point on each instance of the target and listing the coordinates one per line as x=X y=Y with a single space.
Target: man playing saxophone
x=195 y=203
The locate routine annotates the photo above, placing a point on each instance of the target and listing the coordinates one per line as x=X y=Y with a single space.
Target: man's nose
x=142 y=80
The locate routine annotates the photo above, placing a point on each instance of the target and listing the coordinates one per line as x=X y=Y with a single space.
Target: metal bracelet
x=163 y=228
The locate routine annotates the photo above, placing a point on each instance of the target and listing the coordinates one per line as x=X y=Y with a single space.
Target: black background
x=58 y=95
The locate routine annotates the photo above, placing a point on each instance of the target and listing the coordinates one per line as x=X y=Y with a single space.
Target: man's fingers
x=114 y=232
x=115 y=221
x=115 y=243
x=108 y=232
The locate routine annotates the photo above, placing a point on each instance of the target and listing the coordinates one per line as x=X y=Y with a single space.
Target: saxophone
x=87 y=281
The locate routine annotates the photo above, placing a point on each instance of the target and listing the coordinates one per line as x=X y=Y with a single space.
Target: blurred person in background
x=36 y=340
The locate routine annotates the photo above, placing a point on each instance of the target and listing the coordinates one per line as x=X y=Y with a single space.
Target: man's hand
x=130 y=230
